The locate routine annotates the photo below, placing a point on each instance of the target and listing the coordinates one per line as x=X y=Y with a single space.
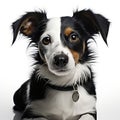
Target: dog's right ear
x=93 y=23
x=29 y=24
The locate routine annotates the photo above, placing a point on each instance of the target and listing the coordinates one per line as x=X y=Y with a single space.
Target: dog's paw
x=87 y=117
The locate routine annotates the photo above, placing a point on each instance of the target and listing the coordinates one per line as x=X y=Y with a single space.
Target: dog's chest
x=60 y=103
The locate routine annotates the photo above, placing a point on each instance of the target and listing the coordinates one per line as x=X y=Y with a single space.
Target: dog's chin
x=60 y=72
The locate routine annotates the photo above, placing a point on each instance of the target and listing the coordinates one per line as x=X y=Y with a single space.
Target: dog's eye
x=74 y=37
x=46 y=40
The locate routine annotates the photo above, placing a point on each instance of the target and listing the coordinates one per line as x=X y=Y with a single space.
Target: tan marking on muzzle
x=77 y=56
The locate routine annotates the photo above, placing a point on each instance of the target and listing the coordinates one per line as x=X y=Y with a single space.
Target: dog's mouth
x=60 y=71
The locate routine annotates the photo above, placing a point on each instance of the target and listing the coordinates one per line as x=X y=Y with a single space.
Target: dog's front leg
x=35 y=119
x=87 y=117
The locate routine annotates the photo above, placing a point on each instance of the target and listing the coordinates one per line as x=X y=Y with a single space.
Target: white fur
x=78 y=73
x=28 y=91
x=60 y=103
x=87 y=117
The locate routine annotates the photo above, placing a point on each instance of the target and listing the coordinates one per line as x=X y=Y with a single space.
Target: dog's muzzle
x=60 y=60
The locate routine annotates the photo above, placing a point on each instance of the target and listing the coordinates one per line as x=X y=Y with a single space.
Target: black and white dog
x=61 y=86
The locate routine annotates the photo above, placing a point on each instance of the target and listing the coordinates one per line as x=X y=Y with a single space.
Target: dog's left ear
x=93 y=23
x=28 y=24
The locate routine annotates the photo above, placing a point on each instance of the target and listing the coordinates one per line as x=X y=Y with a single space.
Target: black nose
x=60 y=60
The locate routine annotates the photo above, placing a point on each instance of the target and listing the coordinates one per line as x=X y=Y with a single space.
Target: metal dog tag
x=75 y=96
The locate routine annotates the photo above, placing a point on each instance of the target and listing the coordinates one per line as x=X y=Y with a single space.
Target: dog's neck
x=63 y=88
x=77 y=75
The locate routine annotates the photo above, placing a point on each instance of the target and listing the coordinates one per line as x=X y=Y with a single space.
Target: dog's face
x=60 y=45
x=54 y=51
x=62 y=42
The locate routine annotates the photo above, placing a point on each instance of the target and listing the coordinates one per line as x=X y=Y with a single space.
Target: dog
x=61 y=86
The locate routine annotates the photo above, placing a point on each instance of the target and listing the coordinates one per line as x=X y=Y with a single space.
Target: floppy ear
x=28 y=24
x=93 y=23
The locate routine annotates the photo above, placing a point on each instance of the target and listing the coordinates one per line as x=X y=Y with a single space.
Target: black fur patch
x=37 y=87
x=20 y=99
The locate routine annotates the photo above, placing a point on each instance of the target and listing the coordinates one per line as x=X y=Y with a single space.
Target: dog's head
x=62 y=42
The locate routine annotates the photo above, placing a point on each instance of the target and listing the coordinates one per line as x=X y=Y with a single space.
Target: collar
x=63 y=88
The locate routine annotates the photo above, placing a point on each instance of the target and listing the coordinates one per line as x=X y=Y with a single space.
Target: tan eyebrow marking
x=68 y=30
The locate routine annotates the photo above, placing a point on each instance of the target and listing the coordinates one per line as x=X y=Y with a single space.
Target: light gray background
x=15 y=61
